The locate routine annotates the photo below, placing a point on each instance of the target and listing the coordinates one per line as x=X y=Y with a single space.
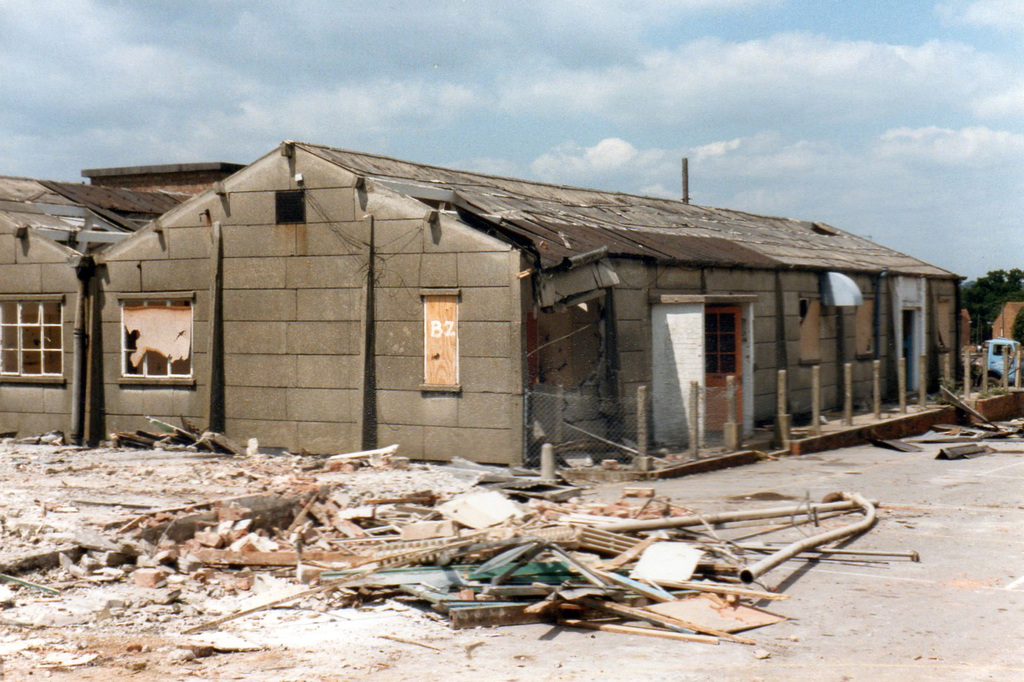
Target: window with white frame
x=31 y=338
x=156 y=338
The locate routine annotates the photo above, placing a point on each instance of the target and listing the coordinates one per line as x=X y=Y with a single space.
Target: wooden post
x=641 y=421
x=782 y=419
x=694 y=419
x=848 y=394
x=901 y=383
x=984 y=372
x=967 y=374
x=947 y=369
x=922 y=381
x=876 y=387
x=816 y=399
x=1016 y=369
x=732 y=428
x=1005 y=380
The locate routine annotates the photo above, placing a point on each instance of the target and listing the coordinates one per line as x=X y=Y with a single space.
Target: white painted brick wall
x=677 y=331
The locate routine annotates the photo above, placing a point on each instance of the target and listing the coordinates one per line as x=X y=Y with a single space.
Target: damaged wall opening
x=156 y=338
x=31 y=338
x=290 y=206
x=810 y=330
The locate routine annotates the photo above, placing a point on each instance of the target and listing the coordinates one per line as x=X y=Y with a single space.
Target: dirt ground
x=955 y=615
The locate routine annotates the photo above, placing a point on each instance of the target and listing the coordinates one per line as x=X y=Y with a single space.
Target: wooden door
x=723 y=357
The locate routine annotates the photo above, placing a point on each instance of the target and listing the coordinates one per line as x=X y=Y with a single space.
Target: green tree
x=985 y=296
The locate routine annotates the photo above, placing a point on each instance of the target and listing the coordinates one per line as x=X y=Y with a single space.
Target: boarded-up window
x=944 y=324
x=157 y=338
x=31 y=338
x=810 y=330
x=865 y=328
x=441 y=340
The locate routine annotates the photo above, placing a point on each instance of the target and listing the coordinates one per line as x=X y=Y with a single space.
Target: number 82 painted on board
x=439 y=328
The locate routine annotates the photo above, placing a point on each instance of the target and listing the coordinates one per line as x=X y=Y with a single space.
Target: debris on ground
x=478 y=545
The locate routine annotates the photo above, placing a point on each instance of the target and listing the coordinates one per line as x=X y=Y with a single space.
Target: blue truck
x=993 y=360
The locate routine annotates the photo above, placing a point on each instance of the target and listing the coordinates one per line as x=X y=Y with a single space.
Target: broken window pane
x=52 y=338
x=157 y=338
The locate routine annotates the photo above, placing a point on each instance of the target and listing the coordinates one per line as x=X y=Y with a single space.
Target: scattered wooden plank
x=636 y=630
x=963 y=451
x=711 y=611
x=718 y=588
x=897 y=445
x=669 y=622
x=710 y=464
x=403 y=640
x=489 y=615
x=630 y=554
x=955 y=400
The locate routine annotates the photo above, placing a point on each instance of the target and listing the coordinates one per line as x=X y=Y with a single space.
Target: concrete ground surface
x=955 y=615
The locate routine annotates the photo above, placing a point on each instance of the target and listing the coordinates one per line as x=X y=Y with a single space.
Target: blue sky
x=899 y=121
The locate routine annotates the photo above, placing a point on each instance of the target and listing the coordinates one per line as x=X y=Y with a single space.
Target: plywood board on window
x=865 y=328
x=441 y=340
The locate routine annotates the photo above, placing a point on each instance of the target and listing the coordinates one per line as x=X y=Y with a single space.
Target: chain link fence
x=588 y=422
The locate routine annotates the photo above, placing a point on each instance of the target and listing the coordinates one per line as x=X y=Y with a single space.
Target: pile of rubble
x=481 y=546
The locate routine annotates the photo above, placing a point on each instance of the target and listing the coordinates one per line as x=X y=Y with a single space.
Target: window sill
x=441 y=388
x=33 y=379
x=157 y=381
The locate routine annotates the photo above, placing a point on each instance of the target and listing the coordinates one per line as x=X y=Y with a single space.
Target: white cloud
x=1003 y=15
x=1007 y=104
x=796 y=79
x=609 y=163
x=967 y=147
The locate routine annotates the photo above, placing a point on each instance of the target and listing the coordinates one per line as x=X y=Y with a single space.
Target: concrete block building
x=327 y=300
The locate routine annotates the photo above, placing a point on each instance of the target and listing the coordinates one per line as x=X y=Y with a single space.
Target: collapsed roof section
x=82 y=217
x=559 y=222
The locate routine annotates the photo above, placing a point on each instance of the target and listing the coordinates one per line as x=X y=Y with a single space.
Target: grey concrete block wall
x=36 y=266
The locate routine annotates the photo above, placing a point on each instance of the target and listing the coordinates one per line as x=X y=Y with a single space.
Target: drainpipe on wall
x=84 y=267
x=877 y=321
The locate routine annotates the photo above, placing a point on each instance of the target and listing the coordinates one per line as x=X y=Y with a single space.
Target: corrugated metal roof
x=71 y=212
x=129 y=202
x=563 y=221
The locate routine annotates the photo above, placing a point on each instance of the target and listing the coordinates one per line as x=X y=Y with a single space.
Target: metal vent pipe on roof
x=686 y=180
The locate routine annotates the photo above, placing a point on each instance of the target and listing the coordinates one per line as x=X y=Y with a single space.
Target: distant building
x=184 y=178
x=1003 y=325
